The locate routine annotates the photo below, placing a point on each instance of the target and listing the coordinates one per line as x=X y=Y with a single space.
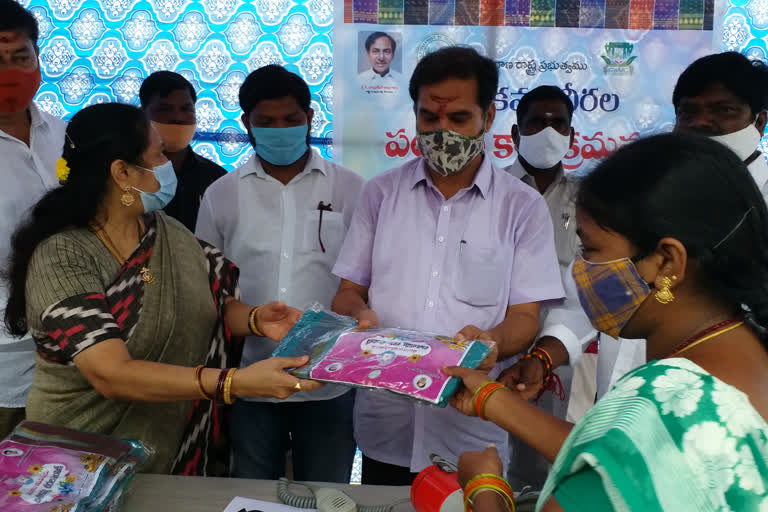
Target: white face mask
x=545 y=149
x=743 y=142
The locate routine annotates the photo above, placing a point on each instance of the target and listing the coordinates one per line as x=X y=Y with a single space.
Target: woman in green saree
x=137 y=323
x=675 y=250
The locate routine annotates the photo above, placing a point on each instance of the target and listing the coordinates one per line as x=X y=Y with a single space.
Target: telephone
x=326 y=499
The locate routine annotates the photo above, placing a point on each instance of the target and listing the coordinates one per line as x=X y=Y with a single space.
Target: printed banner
x=617 y=60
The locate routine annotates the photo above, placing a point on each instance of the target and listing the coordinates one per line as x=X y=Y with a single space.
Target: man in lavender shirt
x=446 y=243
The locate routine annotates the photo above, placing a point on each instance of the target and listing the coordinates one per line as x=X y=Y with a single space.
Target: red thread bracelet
x=545 y=354
x=542 y=356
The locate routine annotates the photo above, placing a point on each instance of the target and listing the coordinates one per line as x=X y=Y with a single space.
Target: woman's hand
x=472 y=464
x=275 y=319
x=268 y=378
x=463 y=400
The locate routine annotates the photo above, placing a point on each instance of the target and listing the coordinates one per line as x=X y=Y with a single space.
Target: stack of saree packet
x=47 y=468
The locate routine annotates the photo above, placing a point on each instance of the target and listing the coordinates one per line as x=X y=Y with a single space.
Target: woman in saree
x=675 y=251
x=137 y=323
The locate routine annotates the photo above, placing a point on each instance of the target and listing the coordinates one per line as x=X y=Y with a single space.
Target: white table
x=162 y=493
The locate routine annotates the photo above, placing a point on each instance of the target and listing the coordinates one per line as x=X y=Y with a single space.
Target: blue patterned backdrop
x=93 y=51
x=745 y=29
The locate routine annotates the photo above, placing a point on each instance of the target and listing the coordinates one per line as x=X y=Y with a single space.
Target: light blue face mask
x=166 y=176
x=280 y=146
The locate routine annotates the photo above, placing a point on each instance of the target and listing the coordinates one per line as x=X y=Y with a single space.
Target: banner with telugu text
x=618 y=61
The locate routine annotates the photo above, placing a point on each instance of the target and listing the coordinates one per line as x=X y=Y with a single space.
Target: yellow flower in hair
x=62 y=170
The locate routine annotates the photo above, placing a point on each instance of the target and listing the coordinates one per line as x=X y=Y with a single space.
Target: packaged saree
x=47 y=468
x=401 y=361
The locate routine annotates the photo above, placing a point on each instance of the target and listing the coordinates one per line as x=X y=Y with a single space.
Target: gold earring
x=127 y=198
x=664 y=295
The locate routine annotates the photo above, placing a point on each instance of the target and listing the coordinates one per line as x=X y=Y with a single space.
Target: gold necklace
x=706 y=335
x=146 y=275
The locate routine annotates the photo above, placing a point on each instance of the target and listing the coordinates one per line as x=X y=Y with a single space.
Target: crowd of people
x=145 y=287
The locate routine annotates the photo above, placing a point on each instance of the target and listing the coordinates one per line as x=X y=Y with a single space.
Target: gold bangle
x=508 y=501
x=199 y=381
x=228 y=386
x=252 y=322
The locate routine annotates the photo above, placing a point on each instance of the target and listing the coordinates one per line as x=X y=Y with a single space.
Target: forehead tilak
x=9 y=37
x=442 y=101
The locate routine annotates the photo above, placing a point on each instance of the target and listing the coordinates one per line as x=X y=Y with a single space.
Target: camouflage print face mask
x=448 y=152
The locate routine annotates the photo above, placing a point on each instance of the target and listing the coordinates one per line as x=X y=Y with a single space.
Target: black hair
x=378 y=35
x=272 y=82
x=161 y=84
x=543 y=93
x=13 y=16
x=100 y=135
x=457 y=62
x=745 y=78
x=685 y=187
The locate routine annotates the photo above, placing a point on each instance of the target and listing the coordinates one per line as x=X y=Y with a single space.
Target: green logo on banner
x=618 y=59
x=432 y=43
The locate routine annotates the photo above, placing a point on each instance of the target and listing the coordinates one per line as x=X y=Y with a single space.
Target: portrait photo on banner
x=380 y=61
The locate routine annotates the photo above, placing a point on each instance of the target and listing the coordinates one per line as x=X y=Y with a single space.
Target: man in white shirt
x=380 y=48
x=725 y=96
x=30 y=143
x=543 y=135
x=282 y=218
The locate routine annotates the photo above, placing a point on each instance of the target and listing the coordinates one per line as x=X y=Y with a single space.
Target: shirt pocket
x=480 y=276
x=567 y=243
x=331 y=231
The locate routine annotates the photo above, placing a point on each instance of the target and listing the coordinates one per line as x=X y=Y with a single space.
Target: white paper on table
x=238 y=503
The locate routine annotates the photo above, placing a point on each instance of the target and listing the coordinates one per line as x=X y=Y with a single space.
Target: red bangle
x=220 y=385
x=198 y=380
x=488 y=481
x=483 y=395
x=485 y=400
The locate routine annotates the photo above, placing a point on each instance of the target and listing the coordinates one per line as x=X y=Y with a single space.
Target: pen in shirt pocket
x=461 y=246
x=322 y=207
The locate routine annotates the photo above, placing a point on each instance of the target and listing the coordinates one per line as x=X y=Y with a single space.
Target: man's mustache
x=701 y=130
